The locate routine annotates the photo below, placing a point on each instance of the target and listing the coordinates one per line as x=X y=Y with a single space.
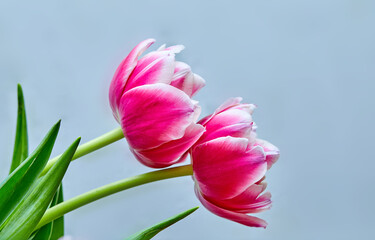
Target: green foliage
x=20 y=151
x=58 y=224
x=19 y=182
x=26 y=194
x=24 y=218
x=150 y=232
x=55 y=229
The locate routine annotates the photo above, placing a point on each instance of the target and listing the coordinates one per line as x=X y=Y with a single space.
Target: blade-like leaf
x=20 y=151
x=55 y=229
x=18 y=183
x=150 y=232
x=58 y=224
x=22 y=221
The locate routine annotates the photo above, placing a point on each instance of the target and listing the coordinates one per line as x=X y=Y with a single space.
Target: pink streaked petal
x=199 y=83
x=241 y=218
x=155 y=67
x=181 y=70
x=232 y=122
x=250 y=201
x=175 y=48
x=206 y=119
x=147 y=162
x=225 y=167
x=152 y=115
x=197 y=110
x=122 y=73
x=162 y=47
x=185 y=80
x=248 y=107
x=171 y=152
x=231 y=102
x=253 y=135
x=227 y=104
x=272 y=152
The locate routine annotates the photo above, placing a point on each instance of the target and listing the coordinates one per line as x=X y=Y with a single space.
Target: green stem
x=93 y=195
x=91 y=146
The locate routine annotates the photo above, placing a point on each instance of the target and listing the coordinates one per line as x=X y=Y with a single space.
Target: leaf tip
x=77 y=141
x=58 y=124
x=19 y=87
x=20 y=93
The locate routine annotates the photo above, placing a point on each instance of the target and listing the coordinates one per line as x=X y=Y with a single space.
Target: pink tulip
x=151 y=99
x=230 y=164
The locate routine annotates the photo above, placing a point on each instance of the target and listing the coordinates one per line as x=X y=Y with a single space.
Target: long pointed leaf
x=20 y=151
x=150 y=232
x=25 y=217
x=55 y=229
x=58 y=224
x=18 y=183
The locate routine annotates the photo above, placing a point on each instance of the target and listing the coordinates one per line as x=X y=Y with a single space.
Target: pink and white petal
x=162 y=47
x=199 y=83
x=122 y=73
x=197 y=110
x=227 y=104
x=152 y=115
x=224 y=167
x=262 y=203
x=171 y=152
x=247 y=107
x=253 y=135
x=180 y=71
x=175 y=48
x=272 y=152
x=155 y=67
x=250 y=201
x=190 y=84
x=231 y=102
x=206 y=119
x=232 y=122
x=185 y=80
x=241 y=218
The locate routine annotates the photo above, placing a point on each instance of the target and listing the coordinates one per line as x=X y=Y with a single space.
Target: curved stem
x=90 y=146
x=98 y=193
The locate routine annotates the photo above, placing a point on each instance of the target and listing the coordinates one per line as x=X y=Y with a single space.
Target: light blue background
x=308 y=65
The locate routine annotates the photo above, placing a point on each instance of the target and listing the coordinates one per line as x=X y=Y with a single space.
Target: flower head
x=230 y=163
x=151 y=99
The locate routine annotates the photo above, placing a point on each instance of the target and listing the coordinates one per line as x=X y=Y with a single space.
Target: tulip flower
x=151 y=99
x=230 y=163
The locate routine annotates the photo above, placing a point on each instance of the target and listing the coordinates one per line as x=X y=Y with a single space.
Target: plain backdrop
x=308 y=65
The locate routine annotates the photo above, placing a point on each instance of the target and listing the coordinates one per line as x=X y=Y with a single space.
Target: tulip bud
x=229 y=164
x=151 y=99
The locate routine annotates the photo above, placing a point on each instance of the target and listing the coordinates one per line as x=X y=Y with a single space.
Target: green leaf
x=18 y=183
x=55 y=229
x=20 y=151
x=150 y=232
x=58 y=224
x=22 y=221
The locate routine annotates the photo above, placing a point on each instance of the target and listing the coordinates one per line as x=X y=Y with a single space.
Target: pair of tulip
x=151 y=98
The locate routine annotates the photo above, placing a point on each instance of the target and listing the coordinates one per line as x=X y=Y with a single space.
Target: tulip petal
x=271 y=151
x=171 y=152
x=185 y=80
x=225 y=167
x=152 y=115
x=232 y=122
x=175 y=48
x=241 y=218
x=155 y=67
x=122 y=73
x=230 y=103
x=250 y=201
